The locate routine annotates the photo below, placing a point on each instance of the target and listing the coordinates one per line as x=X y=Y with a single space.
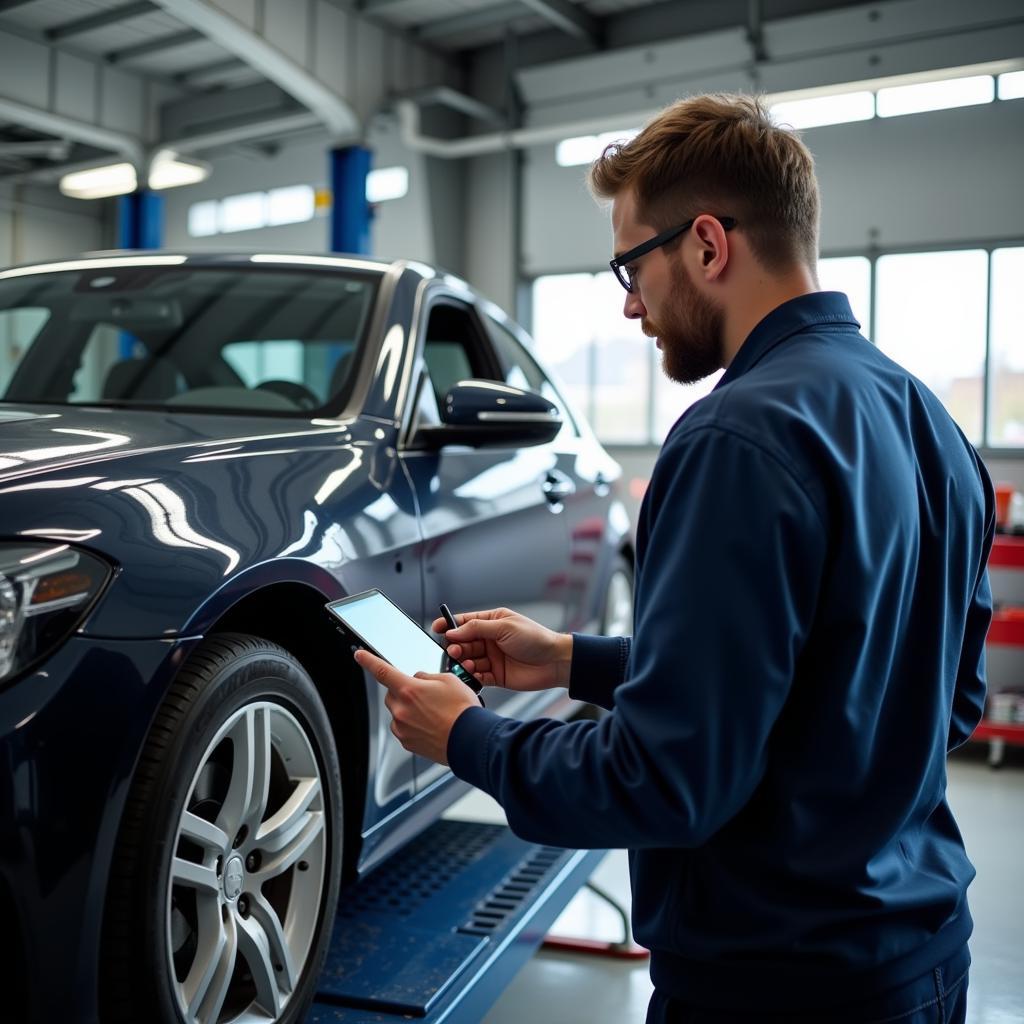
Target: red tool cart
x=1008 y=629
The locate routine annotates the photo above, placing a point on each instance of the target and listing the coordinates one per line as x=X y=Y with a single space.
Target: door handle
x=557 y=487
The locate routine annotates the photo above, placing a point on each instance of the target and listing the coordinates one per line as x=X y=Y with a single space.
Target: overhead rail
x=230 y=34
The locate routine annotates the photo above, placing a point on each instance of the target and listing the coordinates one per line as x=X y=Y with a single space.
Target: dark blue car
x=196 y=453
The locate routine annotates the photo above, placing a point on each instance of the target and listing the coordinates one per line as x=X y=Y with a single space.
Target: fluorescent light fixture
x=585 y=149
x=1011 y=85
x=100 y=182
x=386 y=183
x=168 y=170
x=202 y=218
x=291 y=204
x=941 y=95
x=821 y=110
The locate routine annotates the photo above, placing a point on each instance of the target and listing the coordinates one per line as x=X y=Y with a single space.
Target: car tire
x=617 y=611
x=225 y=879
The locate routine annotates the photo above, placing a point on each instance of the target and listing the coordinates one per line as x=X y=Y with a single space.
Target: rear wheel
x=226 y=875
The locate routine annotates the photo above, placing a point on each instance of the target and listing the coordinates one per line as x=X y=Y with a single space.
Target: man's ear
x=712 y=246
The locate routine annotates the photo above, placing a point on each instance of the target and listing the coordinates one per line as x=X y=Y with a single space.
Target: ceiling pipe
x=188 y=145
x=497 y=142
x=49 y=123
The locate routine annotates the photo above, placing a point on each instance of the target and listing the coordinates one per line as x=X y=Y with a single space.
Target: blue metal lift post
x=140 y=225
x=350 y=210
x=438 y=931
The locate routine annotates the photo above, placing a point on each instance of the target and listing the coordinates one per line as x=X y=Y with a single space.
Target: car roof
x=150 y=257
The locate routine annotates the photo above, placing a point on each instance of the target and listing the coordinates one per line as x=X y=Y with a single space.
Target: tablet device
x=379 y=625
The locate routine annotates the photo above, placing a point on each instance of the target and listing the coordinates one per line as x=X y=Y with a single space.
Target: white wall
x=37 y=224
x=405 y=227
x=946 y=177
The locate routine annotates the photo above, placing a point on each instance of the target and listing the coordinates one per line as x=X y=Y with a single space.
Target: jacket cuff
x=598 y=666
x=467 y=745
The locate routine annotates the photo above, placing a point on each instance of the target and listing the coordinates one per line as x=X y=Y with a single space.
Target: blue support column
x=140 y=220
x=140 y=225
x=350 y=212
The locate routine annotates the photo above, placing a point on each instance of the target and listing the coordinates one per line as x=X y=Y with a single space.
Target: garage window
x=932 y=320
x=953 y=318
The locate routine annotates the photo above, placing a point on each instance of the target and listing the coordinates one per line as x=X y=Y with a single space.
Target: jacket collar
x=792 y=317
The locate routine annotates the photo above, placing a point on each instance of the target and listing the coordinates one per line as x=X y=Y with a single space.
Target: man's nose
x=633 y=309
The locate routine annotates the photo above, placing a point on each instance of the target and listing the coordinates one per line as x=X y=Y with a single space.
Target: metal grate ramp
x=439 y=930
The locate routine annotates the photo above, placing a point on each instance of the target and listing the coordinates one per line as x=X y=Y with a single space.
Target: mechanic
x=811 y=608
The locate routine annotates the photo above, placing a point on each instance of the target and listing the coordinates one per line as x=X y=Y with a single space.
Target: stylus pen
x=471 y=681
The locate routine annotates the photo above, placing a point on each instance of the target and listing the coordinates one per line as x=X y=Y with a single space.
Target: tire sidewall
x=268 y=675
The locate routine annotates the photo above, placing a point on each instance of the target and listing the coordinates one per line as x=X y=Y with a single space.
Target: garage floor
x=989 y=805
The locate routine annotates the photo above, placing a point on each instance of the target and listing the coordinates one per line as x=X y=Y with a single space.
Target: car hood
x=41 y=439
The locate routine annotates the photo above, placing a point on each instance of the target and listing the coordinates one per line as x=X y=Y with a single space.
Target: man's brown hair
x=720 y=154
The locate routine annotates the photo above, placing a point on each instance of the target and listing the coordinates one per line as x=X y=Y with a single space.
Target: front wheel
x=226 y=876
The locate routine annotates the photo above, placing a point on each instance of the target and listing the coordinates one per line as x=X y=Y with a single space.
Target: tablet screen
x=385 y=628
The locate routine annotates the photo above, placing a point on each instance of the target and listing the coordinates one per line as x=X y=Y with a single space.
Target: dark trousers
x=938 y=997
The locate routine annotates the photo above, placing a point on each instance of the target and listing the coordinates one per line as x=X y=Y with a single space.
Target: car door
x=492 y=519
x=585 y=473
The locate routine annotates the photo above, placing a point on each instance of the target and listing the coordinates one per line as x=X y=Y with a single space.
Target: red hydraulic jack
x=625 y=949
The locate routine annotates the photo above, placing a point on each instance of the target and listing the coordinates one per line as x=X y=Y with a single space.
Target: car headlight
x=45 y=592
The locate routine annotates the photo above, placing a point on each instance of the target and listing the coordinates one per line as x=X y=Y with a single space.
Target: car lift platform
x=438 y=931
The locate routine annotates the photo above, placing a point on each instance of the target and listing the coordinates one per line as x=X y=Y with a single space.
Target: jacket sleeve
x=598 y=666
x=725 y=597
x=969 y=695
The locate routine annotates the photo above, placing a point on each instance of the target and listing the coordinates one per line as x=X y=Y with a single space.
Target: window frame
x=872 y=254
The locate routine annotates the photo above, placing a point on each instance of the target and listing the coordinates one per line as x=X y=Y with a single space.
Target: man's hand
x=503 y=648
x=423 y=707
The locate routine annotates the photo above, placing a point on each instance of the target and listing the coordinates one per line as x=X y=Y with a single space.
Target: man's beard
x=690 y=332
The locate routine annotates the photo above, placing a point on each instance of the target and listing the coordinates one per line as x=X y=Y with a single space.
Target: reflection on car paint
x=170 y=524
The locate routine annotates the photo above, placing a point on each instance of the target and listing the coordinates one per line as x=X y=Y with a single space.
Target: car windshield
x=220 y=339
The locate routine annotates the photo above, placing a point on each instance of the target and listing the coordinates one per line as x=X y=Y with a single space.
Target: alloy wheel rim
x=247 y=872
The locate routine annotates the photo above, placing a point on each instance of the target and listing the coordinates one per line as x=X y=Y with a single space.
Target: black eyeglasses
x=627 y=274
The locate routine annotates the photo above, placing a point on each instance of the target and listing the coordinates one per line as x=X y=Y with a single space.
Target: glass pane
x=562 y=332
x=17 y=329
x=1006 y=411
x=852 y=276
x=671 y=400
x=950 y=92
x=931 y=319
x=221 y=338
x=622 y=366
x=243 y=212
x=291 y=204
x=821 y=110
x=202 y=218
x=522 y=371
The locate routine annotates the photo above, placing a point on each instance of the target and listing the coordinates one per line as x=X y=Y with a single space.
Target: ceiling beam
x=153 y=46
x=51 y=149
x=486 y=17
x=196 y=76
x=567 y=18
x=101 y=20
x=252 y=47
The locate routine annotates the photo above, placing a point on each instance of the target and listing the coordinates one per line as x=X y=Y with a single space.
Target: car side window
x=520 y=370
x=453 y=349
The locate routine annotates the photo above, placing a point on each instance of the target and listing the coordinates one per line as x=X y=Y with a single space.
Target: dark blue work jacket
x=812 y=601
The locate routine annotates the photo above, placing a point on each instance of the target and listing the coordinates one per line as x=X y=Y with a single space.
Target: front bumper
x=70 y=735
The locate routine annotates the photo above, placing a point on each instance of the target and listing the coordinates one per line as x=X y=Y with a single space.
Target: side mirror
x=482 y=413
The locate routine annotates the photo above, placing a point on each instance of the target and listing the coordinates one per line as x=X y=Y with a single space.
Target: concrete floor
x=989 y=805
